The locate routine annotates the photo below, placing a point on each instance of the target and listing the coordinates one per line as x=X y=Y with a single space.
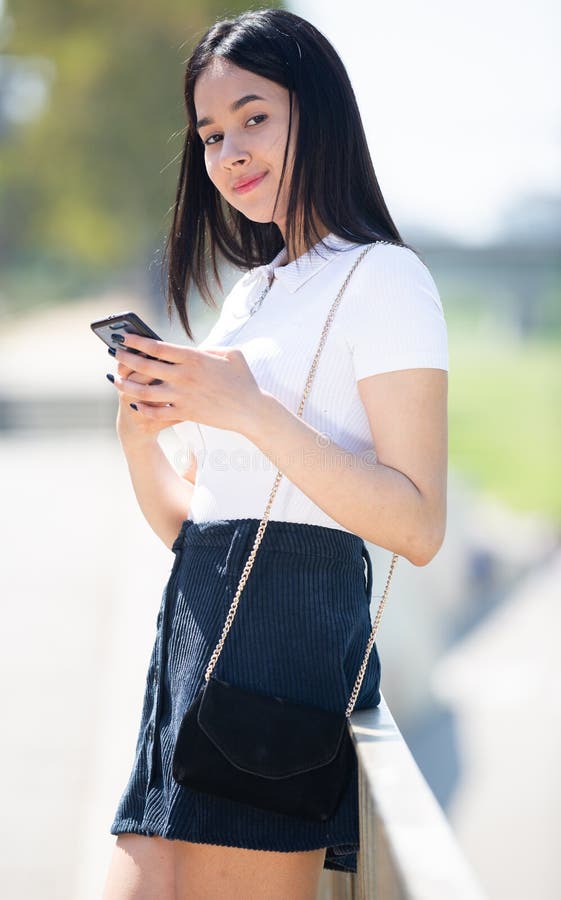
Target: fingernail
x=134 y=406
x=110 y=377
x=118 y=337
x=112 y=350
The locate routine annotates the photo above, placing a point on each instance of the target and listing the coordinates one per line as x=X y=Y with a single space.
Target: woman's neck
x=301 y=247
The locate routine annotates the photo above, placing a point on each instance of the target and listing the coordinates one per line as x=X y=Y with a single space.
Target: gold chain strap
x=261 y=530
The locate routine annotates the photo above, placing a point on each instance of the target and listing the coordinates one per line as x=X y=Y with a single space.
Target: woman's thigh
x=208 y=871
x=141 y=868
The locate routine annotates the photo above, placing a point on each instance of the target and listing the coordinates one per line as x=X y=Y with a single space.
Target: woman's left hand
x=212 y=386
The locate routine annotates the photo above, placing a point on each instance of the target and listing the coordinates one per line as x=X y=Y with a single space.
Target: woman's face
x=244 y=138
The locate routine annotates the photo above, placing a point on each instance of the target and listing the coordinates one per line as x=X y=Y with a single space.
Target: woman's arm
x=398 y=500
x=163 y=495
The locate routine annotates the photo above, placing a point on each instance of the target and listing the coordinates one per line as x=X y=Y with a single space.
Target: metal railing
x=407 y=848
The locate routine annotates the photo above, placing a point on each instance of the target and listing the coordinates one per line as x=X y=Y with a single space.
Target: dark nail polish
x=118 y=337
x=134 y=406
x=110 y=377
x=111 y=350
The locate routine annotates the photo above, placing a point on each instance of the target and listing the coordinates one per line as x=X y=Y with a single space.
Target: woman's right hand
x=130 y=426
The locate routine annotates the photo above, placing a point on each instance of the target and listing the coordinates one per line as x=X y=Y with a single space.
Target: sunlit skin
x=247 y=140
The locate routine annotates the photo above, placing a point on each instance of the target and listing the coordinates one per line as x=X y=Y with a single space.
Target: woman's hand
x=213 y=387
x=130 y=426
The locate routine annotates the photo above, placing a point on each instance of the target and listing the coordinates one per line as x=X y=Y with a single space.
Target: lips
x=248 y=183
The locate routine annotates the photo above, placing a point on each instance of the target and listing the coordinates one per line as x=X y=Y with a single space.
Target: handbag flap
x=268 y=736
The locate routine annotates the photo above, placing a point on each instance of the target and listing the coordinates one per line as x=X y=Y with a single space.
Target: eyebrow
x=237 y=104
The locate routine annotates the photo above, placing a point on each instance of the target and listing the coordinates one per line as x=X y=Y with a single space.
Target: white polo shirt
x=390 y=317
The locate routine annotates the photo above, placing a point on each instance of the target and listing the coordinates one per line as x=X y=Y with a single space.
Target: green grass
x=504 y=406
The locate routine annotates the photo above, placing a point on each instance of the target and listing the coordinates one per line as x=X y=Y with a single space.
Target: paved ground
x=81 y=584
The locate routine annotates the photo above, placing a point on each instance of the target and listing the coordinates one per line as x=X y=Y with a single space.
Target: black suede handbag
x=270 y=752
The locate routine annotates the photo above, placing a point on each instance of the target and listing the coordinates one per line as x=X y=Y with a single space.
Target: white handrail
x=408 y=850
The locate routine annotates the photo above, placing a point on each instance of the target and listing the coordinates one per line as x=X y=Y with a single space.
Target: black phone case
x=115 y=324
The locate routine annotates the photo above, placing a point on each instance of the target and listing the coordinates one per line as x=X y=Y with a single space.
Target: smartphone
x=111 y=330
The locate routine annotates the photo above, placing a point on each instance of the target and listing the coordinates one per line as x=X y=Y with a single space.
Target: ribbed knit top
x=390 y=317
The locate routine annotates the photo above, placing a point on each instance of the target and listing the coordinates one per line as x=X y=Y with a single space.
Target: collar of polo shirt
x=294 y=274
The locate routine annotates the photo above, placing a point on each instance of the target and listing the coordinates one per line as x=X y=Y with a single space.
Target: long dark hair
x=333 y=175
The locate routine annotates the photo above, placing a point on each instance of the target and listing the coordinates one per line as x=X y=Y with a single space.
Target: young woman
x=277 y=179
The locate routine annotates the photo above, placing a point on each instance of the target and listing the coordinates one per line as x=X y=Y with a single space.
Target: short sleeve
x=395 y=319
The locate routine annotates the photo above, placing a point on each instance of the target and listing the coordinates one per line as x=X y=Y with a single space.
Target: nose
x=231 y=153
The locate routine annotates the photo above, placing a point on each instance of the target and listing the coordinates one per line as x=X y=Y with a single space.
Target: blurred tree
x=91 y=179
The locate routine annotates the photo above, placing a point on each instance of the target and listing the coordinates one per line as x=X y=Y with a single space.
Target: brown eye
x=259 y=116
x=209 y=142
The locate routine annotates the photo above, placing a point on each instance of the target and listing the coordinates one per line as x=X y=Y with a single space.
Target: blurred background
x=462 y=108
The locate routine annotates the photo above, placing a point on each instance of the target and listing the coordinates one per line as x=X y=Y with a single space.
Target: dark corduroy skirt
x=300 y=631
